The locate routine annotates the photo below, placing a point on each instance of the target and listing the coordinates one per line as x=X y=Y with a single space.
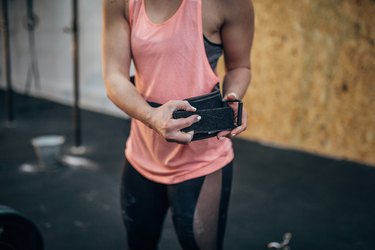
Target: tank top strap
x=133 y=10
x=130 y=11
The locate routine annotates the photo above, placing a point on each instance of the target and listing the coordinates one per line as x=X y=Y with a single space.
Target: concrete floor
x=324 y=203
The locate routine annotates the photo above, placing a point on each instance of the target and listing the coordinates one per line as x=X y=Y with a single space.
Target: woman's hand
x=239 y=129
x=162 y=122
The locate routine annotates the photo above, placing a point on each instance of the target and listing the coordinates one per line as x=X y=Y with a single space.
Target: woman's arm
x=237 y=36
x=116 y=59
x=116 y=62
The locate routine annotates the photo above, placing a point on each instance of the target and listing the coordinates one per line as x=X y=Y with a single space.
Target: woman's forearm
x=125 y=96
x=237 y=81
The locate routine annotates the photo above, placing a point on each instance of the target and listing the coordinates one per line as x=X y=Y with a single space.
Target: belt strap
x=216 y=115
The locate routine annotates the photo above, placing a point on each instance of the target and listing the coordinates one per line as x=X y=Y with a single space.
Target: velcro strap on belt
x=216 y=115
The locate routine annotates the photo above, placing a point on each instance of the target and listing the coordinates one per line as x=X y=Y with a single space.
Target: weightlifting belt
x=216 y=115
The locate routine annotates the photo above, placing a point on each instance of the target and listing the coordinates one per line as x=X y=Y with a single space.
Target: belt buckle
x=239 y=110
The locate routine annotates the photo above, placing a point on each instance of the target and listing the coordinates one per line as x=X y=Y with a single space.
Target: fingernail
x=199 y=118
x=221 y=138
x=194 y=108
x=233 y=135
x=231 y=94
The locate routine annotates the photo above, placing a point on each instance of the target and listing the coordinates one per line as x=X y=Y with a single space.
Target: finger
x=184 y=105
x=241 y=128
x=186 y=122
x=236 y=131
x=182 y=137
x=223 y=134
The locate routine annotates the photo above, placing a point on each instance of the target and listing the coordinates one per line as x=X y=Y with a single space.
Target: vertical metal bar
x=30 y=12
x=33 y=70
x=8 y=63
x=75 y=44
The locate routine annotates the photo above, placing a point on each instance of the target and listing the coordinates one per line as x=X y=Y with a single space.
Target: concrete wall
x=54 y=52
x=313 y=77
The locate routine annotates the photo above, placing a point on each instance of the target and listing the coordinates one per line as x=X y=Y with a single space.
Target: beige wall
x=313 y=82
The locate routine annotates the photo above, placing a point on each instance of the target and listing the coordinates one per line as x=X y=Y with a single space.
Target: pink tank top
x=171 y=64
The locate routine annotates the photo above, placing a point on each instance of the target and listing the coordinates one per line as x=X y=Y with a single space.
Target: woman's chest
x=161 y=11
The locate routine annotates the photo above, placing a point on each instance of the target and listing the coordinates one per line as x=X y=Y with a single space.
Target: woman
x=175 y=45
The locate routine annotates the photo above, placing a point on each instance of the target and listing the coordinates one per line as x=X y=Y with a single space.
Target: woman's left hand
x=239 y=129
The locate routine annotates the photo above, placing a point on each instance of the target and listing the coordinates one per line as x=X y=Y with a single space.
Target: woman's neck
x=159 y=11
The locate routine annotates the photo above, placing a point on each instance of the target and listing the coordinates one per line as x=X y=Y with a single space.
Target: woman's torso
x=171 y=64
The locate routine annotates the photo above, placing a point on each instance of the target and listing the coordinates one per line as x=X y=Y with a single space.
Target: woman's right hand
x=161 y=120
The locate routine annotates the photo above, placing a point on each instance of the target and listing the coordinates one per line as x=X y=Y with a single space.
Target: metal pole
x=31 y=23
x=75 y=44
x=8 y=63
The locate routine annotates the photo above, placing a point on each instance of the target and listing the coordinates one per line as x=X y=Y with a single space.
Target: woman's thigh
x=199 y=209
x=144 y=205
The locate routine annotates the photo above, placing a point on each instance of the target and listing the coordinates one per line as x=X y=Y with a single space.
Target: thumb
x=231 y=96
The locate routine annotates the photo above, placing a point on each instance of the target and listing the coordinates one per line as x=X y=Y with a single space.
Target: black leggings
x=199 y=209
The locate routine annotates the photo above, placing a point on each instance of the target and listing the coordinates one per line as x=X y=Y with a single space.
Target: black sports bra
x=213 y=52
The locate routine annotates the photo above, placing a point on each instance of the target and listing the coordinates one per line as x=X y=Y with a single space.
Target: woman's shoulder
x=235 y=8
x=228 y=10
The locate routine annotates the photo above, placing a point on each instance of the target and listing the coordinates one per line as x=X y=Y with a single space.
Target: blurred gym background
x=305 y=165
